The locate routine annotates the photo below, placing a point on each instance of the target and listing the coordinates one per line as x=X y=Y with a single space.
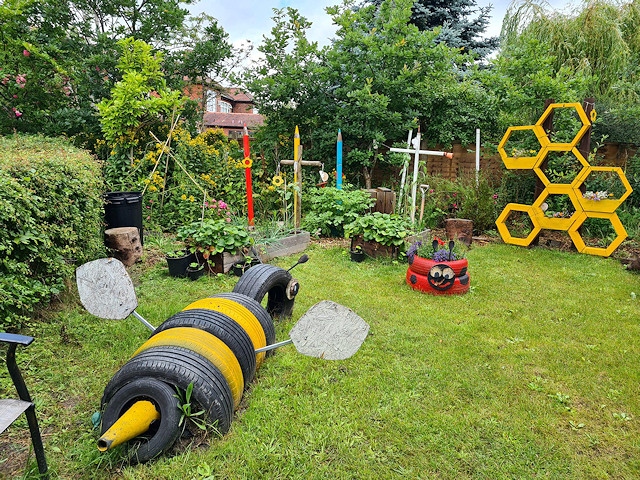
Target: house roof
x=232 y=120
x=240 y=96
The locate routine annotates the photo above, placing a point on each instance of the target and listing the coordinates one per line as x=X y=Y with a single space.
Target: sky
x=251 y=19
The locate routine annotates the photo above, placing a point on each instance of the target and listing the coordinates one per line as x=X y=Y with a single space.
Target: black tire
x=271 y=281
x=223 y=327
x=258 y=311
x=179 y=367
x=162 y=433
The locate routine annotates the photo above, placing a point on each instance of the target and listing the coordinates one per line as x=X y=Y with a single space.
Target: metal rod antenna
x=273 y=346
x=143 y=321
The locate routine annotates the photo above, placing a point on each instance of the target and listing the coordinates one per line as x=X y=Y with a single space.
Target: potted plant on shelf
x=210 y=238
x=178 y=261
x=438 y=268
x=195 y=270
x=378 y=234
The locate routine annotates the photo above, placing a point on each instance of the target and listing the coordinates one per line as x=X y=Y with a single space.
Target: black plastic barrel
x=123 y=209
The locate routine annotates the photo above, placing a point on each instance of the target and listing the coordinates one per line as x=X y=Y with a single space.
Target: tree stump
x=459 y=229
x=124 y=244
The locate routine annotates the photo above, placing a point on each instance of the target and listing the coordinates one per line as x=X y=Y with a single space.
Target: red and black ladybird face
x=441 y=277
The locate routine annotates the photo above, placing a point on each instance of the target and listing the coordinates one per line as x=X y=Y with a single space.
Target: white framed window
x=225 y=107
x=211 y=101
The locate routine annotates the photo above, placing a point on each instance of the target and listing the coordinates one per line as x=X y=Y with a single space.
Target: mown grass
x=533 y=373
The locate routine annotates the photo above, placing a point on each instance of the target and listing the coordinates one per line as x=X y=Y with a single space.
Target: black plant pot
x=240 y=268
x=357 y=255
x=195 y=273
x=178 y=265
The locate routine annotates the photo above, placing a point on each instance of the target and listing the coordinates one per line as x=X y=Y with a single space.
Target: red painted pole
x=247 y=173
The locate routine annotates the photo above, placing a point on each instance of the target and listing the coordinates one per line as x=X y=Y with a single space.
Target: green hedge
x=50 y=219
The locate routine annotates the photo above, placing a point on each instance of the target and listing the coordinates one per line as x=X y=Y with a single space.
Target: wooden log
x=459 y=229
x=124 y=244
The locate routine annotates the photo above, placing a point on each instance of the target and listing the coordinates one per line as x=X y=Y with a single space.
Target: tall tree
x=462 y=23
x=598 y=40
x=71 y=58
x=378 y=79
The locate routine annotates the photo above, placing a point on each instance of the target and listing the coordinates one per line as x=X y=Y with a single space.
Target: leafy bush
x=50 y=218
x=327 y=210
x=464 y=198
x=214 y=236
x=386 y=229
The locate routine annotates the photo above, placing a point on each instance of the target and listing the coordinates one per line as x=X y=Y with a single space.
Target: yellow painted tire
x=207 y=345
x=241 y=315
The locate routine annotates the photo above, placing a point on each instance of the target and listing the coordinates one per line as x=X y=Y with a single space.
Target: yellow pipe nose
x=132 y=423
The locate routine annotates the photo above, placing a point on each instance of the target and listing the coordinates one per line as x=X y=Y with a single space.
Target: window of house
x=225 y=107
x=211 y=101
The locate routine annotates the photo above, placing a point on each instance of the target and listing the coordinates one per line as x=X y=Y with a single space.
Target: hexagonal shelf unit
x=577 y=240
x=574 y=156
x=556 y=223
x=501 y=223
x=522 y=151
x=581 y=122
x=605 y=205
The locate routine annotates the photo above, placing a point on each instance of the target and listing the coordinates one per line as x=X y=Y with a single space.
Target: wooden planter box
x=294 y=243
x=373 y=248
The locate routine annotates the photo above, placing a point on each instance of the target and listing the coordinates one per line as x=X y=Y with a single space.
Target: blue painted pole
x=339 y=161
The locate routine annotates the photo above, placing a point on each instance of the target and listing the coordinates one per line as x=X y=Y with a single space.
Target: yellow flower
x=247 y=162
x=271 y=188
x=277 y=180
x=191 y=198
x=183 y=197
x=153 y=188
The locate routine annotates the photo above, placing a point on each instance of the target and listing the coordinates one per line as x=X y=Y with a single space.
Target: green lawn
x=533 y=373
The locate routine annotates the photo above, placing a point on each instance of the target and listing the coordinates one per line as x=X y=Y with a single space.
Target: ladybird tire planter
x=423 y=265
x=438 y=278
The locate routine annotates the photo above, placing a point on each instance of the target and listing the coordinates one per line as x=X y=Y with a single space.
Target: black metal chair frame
x=14 y=408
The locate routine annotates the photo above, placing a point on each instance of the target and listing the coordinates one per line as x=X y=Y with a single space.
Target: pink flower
x=26 y=52
x=222 y=205
x=17 y=112
x=228 y=220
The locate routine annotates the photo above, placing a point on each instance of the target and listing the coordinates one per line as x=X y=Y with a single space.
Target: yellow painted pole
x=132 y=423
x=296 y=159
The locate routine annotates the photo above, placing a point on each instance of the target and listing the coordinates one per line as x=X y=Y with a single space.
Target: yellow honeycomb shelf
x=583 y=208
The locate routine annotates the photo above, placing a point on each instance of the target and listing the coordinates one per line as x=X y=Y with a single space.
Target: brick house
x=228 y=109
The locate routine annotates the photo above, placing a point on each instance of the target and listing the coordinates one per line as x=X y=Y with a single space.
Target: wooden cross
x=416 y=159
x=297 y=175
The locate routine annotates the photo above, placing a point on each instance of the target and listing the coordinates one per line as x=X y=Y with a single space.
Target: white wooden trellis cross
x=416 y=160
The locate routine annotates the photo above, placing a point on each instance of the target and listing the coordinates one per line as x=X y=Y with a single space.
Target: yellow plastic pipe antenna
x=132 y=423
x=296 y=154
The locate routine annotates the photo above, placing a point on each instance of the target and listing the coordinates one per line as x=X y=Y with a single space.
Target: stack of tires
x=210 y=344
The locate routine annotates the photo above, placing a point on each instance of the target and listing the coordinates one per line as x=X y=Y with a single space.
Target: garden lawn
x=533 y=373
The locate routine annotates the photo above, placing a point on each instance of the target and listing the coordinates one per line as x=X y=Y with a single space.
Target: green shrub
x=464 y=198
x=386 y=229
x=327 y=210
x=50 y=218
